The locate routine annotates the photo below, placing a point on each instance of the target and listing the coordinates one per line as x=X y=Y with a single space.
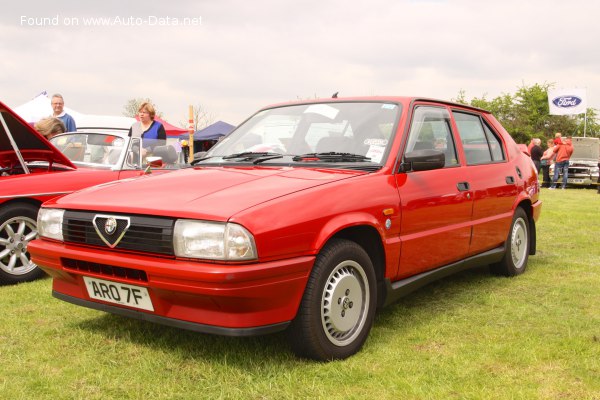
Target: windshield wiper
x=266 y=158
x=197 y=160
x=332 y=157
x=253 y=156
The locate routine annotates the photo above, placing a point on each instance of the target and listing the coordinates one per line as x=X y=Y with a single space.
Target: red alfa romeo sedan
x=306 y=218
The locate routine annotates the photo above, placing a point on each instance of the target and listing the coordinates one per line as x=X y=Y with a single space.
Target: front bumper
x=580 y=180
x=226 y=299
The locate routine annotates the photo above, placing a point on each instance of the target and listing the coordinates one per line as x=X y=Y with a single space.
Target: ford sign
x=567 y=101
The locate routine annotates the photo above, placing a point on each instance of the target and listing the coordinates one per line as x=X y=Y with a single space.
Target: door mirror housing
x=423 y=160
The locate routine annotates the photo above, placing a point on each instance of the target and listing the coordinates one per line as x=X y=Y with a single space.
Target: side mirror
x=423 y=160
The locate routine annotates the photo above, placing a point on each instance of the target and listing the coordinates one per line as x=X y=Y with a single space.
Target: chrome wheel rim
x=518 y=243
x=345 y=302
x=15 y=235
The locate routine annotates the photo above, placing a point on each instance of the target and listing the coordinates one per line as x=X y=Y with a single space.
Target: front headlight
x=213 y=241
x=49 y=223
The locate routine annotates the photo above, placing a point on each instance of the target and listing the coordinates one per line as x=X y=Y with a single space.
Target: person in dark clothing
x=536 y=153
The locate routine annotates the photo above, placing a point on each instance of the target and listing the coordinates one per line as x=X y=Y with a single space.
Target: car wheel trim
x=345 y=302
x=519 y=243
x=15 y=235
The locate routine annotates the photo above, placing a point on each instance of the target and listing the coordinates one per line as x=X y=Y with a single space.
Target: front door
x=436 y=205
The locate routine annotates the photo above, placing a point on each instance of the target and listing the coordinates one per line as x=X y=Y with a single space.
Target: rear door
x=493 y=180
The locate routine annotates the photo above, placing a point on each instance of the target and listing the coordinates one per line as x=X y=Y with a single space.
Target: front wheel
x=338 y=306
x=516 y=253
x=18 y=226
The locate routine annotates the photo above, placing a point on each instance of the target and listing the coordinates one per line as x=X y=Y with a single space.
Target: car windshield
x=336 y=132
x=91 y=148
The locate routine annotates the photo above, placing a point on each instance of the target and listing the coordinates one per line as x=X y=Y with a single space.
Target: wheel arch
x=21 y=200
x=527 y=207
x=370 y=240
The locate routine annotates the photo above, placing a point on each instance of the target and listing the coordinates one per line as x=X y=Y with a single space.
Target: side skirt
x=398 y=289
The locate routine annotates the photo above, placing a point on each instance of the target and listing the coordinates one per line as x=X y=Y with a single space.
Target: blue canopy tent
x=205 y=138
x=211 y=132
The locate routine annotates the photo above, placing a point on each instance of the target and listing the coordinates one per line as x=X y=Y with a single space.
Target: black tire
x=18 y=226
x=517 y=247
x=338 y=306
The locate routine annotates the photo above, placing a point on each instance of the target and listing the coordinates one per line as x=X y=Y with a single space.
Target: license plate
x=118 y=293
x=575 y=180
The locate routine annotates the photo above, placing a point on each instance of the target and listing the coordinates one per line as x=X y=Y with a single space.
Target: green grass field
x=471 y=336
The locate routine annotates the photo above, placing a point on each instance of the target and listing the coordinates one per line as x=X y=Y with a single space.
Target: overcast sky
x=233 y=57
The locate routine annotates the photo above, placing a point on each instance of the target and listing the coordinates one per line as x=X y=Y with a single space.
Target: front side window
x=430 y=129
x=480 y=144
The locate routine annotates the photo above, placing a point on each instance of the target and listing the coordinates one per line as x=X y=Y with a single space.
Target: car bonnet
x=202 y=193
x=18 y=138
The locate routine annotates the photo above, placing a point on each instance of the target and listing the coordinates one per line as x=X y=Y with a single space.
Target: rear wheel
x=18 y=226
x=338 y=306
x=516 y=255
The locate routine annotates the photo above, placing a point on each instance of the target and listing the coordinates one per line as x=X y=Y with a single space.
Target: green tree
x=526 y=114
x=591 y=127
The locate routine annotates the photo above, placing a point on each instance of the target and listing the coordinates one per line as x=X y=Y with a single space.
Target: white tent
x=103 y=121
x=39 y=107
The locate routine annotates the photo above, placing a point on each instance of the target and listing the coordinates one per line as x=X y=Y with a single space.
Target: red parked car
x=307 y=217
x=33 y=170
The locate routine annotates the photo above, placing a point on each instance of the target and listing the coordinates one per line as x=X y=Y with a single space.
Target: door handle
x=462 y=186
x=510 y=180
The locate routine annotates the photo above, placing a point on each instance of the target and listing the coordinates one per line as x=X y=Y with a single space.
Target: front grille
x=106 y=270
x=145 y=234
x=586 y=172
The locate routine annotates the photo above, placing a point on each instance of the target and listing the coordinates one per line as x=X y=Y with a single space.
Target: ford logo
x=566 y=101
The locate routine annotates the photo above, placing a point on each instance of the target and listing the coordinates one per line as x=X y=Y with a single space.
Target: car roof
x=19 y=140
x=405 y=100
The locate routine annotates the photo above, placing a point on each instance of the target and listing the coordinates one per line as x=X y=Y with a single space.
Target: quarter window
x=480 y=143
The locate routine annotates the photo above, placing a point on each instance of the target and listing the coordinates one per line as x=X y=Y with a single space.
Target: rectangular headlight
x=49 y=223
x=213 y=241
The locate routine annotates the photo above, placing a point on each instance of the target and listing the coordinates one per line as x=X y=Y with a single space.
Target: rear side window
x=480 y=143
x=430 y=129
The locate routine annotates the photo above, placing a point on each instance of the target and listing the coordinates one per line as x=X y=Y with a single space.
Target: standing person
x=563 y=153
x=530 y=145
x=58 y=104
x=546 y=161
x=536 y=153
x=557 y=138
x=185 y=149
x=152 y=132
